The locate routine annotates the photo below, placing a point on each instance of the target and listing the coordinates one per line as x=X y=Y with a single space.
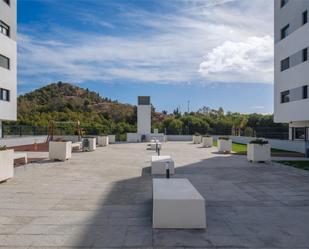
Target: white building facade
x=292 y=67
x=8 y=61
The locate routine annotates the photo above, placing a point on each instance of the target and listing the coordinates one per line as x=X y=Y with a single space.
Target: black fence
x=265 y=132
x=281 y=133
x=23 y=130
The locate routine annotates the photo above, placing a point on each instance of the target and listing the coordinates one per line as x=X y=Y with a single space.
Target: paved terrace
x=102 y=199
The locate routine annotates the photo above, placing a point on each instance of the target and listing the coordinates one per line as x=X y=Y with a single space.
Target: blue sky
x=209 y=52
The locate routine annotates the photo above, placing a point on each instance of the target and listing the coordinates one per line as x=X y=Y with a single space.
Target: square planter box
x=224 y=145
x=111 y=139
x=207 y=141
x=77 y=146
x=154 y=145
x=60 y=150
x=158 y=165
x=89 y=144
x=6 y=164
x=177 y=204
x=103 y=140
x=258 y=152
x=197 y=139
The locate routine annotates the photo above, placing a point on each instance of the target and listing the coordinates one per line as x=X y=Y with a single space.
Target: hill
x=100 y=115
x=66 y=102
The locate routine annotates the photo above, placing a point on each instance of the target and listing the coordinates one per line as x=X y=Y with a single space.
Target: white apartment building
x=8 y=56
x=292 y=66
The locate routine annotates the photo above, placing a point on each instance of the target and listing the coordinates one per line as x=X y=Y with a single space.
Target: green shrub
x=259 y=141
x=223 y=138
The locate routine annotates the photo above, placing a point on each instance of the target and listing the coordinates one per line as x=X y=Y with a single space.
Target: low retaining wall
x=179 y=137
x=297 y=146
x=17 y=141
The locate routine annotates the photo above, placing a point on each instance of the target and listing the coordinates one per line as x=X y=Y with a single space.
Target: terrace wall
x=297 y=146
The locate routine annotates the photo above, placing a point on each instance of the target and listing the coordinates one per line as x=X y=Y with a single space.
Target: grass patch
x=242 y=148
x=239 y=148
x=297 y=164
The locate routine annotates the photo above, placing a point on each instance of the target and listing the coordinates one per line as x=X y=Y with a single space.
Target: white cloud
x=168 y=47
x=258 y=107
x=248 y=61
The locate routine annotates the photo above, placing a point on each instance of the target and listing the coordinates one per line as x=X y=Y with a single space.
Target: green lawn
x=297 y=164
x=242 y=148
x=236 y=147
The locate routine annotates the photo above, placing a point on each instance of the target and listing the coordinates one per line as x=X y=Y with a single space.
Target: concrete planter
x=60 y=150
x=197 y=139
x=159 y=163
x=6 y=164
x=111 y=139
x=224 y=145
x=154 y=146
x=258 y=152
x=103 y=140
x=207 y=141
x=89 y=144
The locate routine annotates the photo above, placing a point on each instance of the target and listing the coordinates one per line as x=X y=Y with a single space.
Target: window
x=7 y=2
x=283 y=3
x=4 y=94
x=305 y=17
x=4 y=29
x=4 y=62
x=305 y=54
x=305 y=92
x=285 y=64
x=285 y=31
x=299 y=133
x=285 y=97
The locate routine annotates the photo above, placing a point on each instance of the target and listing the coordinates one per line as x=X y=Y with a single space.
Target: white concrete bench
x=77 y=146
x=158 y=165
x=177 y=204
x=21 y=155
x=153 y=146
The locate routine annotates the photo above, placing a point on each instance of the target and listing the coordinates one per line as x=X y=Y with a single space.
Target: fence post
x=20 y=131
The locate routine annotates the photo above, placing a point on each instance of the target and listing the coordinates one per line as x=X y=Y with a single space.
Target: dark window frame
x=305 y=92
x=8 y=62
x=284 y=95
x=299 y=130
x=283 y=3
x=305 y=17
x=8 y=2
x=305 y=54
x=284 y=31
x=6 y=93
x=4 y=26
x=285 y=64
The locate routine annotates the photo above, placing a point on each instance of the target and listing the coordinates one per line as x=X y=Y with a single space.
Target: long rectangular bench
x=21 y=155
x=177 y=204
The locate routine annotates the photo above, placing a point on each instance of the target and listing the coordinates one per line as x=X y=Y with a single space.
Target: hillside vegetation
x=100 y=115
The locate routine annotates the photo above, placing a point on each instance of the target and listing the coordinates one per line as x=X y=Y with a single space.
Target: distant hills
x=67 y=102
x=100 y=115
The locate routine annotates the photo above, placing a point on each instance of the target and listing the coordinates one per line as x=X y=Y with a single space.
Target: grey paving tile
x=103 y=199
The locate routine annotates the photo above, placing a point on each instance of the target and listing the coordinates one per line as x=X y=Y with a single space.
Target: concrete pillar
x=144 y=115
